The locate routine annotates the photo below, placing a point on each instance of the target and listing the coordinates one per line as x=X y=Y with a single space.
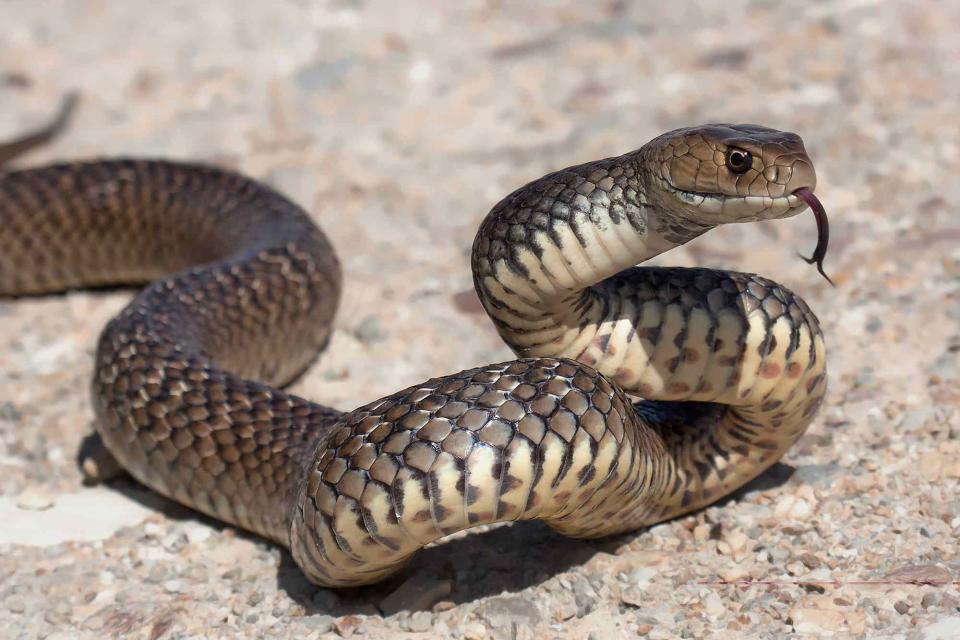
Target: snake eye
x=739 y=160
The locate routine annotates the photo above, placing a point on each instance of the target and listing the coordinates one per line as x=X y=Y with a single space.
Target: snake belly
x=243 y=290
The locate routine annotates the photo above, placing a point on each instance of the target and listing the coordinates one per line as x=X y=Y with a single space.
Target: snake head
x=720 y=173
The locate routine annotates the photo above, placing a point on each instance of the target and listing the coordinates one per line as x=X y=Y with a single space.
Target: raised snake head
x=720 y=173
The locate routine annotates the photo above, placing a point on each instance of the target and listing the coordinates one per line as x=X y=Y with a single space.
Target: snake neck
x=550 y=259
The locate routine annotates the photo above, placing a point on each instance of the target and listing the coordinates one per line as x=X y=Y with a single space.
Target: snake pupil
x=738 y=160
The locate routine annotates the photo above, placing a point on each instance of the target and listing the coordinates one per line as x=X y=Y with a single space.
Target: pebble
x=16 y=605
x=793 y=508
x=713 y=605
x=473 y=631
x=920 y=574
x=9 y=412
x=815 y=621
x=36 y=499
x=197 y=533
x=634 y=592
x=504 y=611
x=320 y=623
x=173 y=586
x=370 y=330
x=347 y=625
x=584 y=595
x=809 y=560
x=420 y=621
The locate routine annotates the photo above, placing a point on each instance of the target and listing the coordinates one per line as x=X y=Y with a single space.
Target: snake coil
x=730 y=366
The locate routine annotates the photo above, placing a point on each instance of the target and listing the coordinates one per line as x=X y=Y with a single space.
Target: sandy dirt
x=398 y=125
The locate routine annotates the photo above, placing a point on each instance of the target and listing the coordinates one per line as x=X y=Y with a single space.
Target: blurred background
x=398 y=126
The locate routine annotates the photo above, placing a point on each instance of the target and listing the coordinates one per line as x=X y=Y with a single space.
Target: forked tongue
x=823 y=229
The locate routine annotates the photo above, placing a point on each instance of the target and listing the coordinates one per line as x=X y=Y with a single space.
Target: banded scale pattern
x=730 y=367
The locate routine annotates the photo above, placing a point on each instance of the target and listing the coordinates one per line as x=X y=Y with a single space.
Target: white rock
x=35 y=499
x=714 y=605
x=173 y=586
x=816 y=621
x=794 y=508
x=197 y=533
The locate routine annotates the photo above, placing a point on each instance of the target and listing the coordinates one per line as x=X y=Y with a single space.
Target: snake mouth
x=737 y=208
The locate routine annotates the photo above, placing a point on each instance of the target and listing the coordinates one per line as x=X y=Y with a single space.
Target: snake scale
x=730 y=366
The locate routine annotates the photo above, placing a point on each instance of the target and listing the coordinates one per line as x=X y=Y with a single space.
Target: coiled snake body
x=183 y=393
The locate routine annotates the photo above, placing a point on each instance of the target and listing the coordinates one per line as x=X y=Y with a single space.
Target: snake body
x=731 y=366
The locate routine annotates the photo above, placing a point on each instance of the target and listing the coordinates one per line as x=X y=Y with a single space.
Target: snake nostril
x=774 y=174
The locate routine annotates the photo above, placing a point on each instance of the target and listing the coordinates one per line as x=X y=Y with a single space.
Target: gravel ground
x=398 y=125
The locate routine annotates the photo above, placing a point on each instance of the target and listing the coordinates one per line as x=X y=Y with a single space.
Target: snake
x=639 y=393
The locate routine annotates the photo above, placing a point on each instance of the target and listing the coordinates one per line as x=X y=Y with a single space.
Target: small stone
x=809 y=560
x=321 y=623
x=370 y=330
x=737 y=542
x=347 y=625
x=97 y=464
x=713 y=605
x=930 y=600
x=443 y=605
x=198 y=533
x=9 y=412
x=158 y=574
x=35 y=499
x=901 y=607
x=815 y=621
x=420 y=621
x=734 y=573
x=16 y=605
x=584 y=595
x=173 y=586
x=793 y=508
x=418 y=593
x=566 y=608
x=174 y=542
x=506 y=611
x=324 y=76
x=921 y=574
x=634 y=592
x=916 y=418
x=473 y=631
x=701 y=533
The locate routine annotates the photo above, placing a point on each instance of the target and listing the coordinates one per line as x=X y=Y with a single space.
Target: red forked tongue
x=823 y=229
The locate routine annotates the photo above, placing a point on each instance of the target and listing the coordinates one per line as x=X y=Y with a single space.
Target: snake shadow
x=503 y=558
x=487 y=561
x=506 y=558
